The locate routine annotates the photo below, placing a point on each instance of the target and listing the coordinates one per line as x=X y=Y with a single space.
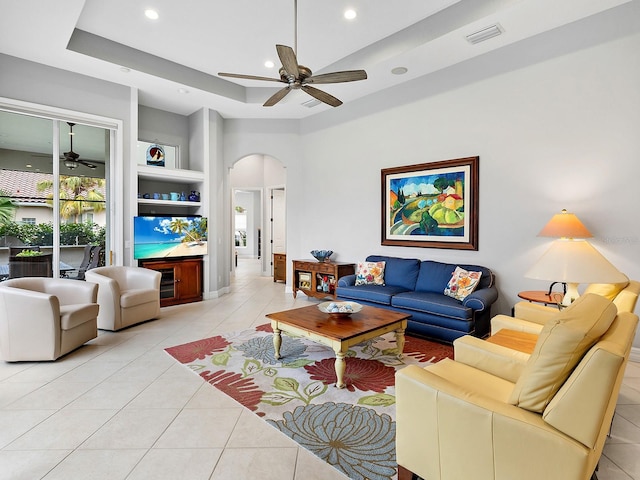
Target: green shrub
x=42 y=233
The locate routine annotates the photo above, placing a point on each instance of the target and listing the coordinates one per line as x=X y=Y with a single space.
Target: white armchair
x=45 y=318
x=127 y=295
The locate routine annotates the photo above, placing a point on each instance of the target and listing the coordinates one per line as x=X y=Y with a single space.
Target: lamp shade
x=565 y=225
x=575 y=261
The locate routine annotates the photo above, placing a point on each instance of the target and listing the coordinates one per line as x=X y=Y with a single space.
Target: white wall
x=560 y=132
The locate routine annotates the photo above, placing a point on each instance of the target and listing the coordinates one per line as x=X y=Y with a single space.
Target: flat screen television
x=169 y=237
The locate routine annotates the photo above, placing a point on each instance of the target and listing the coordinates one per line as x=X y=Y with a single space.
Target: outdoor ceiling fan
x=72 y=159
x=299 y=77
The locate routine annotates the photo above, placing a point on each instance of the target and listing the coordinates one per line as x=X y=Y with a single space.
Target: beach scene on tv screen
x=162 y=237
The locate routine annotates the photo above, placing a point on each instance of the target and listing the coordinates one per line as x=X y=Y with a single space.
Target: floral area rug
x=353 y=428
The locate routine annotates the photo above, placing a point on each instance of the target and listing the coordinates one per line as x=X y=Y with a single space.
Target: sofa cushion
x=138 y=296
x=370 y=273
x=76 y=314
x=563 y=341
x=431 y=302
x=434 y=276
x=369 y=293
x=398 y=272
x=462 y=283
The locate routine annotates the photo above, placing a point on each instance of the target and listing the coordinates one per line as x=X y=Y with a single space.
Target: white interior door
x=278 y=226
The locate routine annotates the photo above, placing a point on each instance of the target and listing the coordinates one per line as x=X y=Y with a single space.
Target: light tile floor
x=121 y=408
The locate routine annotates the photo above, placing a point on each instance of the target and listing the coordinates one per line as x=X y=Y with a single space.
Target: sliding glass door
x=54 y=197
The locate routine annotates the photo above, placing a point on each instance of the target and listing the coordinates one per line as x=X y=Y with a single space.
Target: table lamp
x=571 y=259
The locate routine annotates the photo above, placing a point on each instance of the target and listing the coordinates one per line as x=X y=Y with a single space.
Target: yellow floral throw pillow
x=370 y=273
x=462 y=283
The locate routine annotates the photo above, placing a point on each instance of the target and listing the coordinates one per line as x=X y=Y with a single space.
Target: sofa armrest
x=495 y=359
x=511 y=323
x=29 y=322
x=481 y=299
x=347 y=281
x=533 y=312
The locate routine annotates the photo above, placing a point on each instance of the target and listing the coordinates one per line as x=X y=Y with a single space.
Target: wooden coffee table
x=338 y=332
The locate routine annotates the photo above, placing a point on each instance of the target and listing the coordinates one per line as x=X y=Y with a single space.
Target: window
x=28 y=220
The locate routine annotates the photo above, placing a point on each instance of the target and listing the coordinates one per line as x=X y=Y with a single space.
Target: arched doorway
x=258 y=215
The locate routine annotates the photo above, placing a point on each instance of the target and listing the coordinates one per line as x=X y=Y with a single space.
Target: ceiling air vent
x=484 y=34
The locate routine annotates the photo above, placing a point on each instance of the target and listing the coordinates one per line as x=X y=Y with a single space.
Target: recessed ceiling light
x=183 y=90
x=350 y=14
x=28 y=165
x=152 y=14
x=124 y=69
x=399 y=70
x=269 y=64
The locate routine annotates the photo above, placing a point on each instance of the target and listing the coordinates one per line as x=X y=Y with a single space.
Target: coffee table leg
x=340 y=369
x=277 y=342
x=400 y=341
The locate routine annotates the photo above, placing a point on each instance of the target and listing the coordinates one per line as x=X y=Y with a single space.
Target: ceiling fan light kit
x=299 y=77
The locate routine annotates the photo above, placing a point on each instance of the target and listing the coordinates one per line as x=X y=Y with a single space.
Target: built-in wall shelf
x=175 y=175
x=171 y=203
x=161 y=180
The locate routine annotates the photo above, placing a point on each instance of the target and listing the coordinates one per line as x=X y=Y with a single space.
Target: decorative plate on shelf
x=339 y=309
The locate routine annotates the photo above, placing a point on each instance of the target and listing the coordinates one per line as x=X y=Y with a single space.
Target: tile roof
x=22 y=186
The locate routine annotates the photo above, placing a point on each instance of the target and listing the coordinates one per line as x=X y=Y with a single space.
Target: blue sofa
x=417 y=287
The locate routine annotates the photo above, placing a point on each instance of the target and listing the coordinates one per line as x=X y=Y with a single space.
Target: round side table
x=542 y=296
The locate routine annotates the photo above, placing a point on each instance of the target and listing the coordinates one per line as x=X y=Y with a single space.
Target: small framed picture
x=304 y=281
x=155 y=154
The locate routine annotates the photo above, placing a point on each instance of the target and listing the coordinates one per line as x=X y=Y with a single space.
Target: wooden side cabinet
x=181 y=279
x=319 y=279
x=279 y=267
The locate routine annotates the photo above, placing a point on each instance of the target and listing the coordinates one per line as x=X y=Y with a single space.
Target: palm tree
x=78 y=194
x=180 y=226
x=7 y=208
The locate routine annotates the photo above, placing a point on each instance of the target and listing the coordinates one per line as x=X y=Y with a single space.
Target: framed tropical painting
x=432 y=205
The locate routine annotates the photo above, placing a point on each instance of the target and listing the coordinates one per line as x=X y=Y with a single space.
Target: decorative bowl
x=321 y=255
x=339 y=309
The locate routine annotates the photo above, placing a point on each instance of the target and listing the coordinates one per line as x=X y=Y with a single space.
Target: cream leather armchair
x=45 y=318
x=127 y=295
x=457 y=421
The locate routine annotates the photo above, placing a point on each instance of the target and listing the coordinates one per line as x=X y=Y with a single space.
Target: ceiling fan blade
x=250 y=77
x=275 y=98
x=322 y=96
x=288 y=58
x=87 y=164
x=338 y=77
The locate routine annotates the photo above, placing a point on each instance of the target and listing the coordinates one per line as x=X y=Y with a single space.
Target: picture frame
x=304 y=281
x=432 y=205
x=155 y=154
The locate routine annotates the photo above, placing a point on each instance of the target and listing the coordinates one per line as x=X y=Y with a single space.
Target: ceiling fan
x=72 y=159
x=299 y=77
